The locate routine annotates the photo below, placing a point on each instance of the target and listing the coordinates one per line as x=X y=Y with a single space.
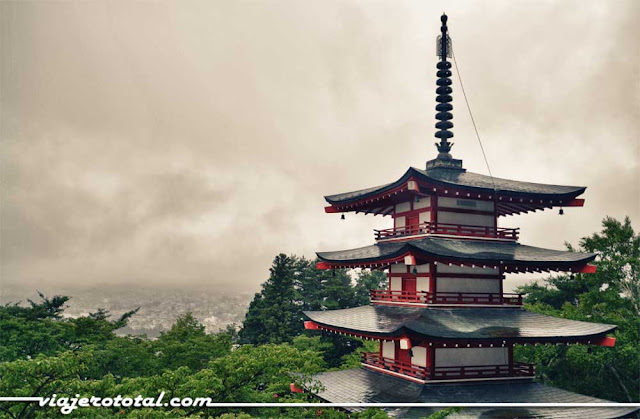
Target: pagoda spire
x=444 y=106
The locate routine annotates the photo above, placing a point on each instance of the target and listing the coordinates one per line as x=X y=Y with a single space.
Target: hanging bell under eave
x=342 y=217
x=561 y=212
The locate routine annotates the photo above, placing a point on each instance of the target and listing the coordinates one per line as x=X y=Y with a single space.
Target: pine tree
x=367 y=281
x=274 y=314
x=308 y=285
x=338 y=291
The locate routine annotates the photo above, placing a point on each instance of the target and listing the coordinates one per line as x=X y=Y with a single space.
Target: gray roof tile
x=482 y=251
x=364 y=386
x=462 y=323
x=469 y=181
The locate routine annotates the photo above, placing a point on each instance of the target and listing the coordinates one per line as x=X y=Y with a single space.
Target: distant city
x=159 y=307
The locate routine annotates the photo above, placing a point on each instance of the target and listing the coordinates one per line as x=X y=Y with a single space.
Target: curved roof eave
x=459 y=249
x=345 y=197
x=465 y=180
x=459 y=324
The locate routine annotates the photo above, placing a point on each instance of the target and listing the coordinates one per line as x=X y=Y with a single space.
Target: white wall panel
x=399 y=268
x=465 y=219
x=419 y=356
x=424 y=202
x=423 y=269
x=444 y=268
x=403 y=207
x=424 y=217
x=389 y=349
x=422 y=283
x=456 y=357
x=468 y=285
x=399 y=222
x=473 y=204
x=396 y=283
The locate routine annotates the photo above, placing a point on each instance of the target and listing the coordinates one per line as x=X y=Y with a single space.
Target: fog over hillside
x=159 y=307
x=182 y=145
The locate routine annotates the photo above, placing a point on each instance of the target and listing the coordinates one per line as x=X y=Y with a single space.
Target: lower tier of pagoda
x=445 y=344
x=363 y=385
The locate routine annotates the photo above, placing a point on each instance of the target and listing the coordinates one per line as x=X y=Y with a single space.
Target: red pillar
x=431 y=361
x=510 y=357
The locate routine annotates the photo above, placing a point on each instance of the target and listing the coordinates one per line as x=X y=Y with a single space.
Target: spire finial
x=444 y=98
x=444 y=107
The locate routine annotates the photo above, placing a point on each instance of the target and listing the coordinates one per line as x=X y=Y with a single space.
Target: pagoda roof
x=360 y=385
x=528 y=196
x=511 y=255
x=484 y=324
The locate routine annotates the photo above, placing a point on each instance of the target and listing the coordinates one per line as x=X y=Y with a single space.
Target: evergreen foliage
x=611 y=296
x=295 y=285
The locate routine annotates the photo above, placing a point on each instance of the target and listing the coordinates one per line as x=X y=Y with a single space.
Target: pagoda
x=445 y=327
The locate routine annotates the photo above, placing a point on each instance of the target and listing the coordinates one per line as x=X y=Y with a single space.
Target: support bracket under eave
x=588 y=269
x=607 y=341
x=311 y=325
x=323 y=265
x=576 y=202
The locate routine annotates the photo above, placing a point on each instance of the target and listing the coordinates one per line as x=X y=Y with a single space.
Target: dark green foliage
x=184 y=362
x=337 y=290
x=608 y=296
x=366 y=281
x=296 y=285
x=274 y=315
x=186 y=344
x=309 y=286
x=39 y=328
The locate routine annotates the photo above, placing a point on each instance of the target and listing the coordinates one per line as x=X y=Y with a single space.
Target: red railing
x=519 y=369
x=423 y=297
x=394 y=365
x=450 y=229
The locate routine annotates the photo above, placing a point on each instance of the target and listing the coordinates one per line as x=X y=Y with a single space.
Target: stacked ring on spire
x=444 y=106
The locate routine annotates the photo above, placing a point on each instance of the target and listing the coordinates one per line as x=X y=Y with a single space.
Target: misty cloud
x=188 y=143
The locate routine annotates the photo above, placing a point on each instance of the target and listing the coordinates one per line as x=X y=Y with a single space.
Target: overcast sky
x=187 y=143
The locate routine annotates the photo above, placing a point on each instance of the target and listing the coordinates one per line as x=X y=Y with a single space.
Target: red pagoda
x=446 y=330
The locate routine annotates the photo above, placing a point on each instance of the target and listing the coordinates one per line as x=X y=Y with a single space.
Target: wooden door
x=403 y=355
x=412 y=223
x=409 y=288
x=409 y=284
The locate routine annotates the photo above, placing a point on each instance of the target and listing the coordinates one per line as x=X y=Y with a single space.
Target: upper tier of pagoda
x=510 y=196
x=445 y=176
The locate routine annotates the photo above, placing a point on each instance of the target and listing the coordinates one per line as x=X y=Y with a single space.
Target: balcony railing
x=454 y=298
x=519 y=369
x=448 y=229
x=394 y=365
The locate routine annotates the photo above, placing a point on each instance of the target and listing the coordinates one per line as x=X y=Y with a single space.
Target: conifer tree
x=274 y=314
